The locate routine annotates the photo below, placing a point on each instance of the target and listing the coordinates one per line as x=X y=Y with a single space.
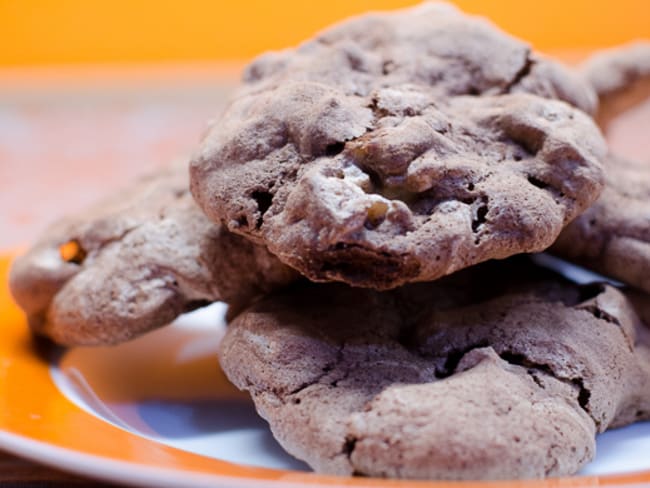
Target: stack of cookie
x=355 y=204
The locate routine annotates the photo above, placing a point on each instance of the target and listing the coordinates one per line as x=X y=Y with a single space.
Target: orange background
x=34 y=32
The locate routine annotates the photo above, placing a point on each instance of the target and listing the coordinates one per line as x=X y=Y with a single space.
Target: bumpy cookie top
x=468 y=378
x=401 y=147
x=134 y=262
x=433 y=45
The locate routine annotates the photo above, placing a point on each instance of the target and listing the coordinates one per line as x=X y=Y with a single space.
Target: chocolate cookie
x=481 y=375
x=399 y=147
x=134 y=262
x=613 y=235
x=620 y=76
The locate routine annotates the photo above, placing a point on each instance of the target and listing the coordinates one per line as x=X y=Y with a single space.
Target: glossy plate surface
x=159 y=412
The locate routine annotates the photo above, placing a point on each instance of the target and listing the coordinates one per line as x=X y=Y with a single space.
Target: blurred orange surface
x=89 y=31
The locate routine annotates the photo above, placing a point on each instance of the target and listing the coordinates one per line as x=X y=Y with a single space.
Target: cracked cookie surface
x=453 y=379
x=134 y=262
x=401 y=147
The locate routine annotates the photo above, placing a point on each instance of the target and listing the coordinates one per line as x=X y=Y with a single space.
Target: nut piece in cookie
x=133 y=263
x=401 y=147
x=482 y=375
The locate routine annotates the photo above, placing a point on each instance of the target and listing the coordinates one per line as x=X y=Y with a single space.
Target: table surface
x=16 y=472
x=67 y=137
x=76 y=135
